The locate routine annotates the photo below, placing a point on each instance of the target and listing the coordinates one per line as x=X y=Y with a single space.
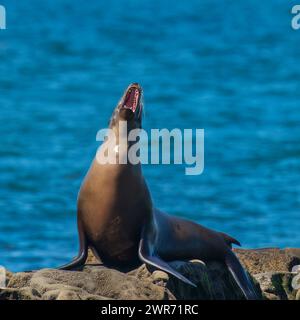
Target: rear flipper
x=229 y=240
x=149 y=257
x=240 y=276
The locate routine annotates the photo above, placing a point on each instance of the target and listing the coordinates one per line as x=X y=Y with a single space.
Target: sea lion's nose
x=135 y=85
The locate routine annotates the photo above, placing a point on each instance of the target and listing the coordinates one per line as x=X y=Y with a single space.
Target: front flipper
x=149 y=257
x=83 y=252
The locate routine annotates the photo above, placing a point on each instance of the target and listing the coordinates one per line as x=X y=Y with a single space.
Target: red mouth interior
x=132 y=99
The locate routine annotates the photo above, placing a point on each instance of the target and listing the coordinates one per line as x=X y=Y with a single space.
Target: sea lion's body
x=166 y=238
x=117 y=220
x=113 y=205
x=181 y=239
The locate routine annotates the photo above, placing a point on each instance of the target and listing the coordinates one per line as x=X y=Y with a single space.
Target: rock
x=276 y=285
x=5 y=276
x=296 y=269
x=269 y=269
x=273 y=270
x=213 y=282
x=91 y=259
x=293 y=251
x=269 y=259
x=160 y=277
x=94 y=282
x=61 y=295
x=98 y=282
x=296 y=282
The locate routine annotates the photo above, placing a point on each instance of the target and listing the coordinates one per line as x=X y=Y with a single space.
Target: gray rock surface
x=96 y=282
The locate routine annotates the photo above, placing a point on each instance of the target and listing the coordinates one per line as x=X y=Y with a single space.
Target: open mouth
x=132 y=98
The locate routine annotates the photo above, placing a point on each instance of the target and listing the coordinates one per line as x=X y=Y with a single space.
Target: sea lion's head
x=129 y=108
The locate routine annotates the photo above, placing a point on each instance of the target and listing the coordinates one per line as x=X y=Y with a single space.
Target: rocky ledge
x=275 y=273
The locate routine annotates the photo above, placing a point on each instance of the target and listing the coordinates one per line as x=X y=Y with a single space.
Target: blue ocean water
x=229 y=67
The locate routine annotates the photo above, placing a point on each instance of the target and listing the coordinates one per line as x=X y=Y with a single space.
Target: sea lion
x=114 y=201
x=168 y=238
x=117 y=219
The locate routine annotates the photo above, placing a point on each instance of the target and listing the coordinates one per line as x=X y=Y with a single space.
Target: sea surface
x=229 y=67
